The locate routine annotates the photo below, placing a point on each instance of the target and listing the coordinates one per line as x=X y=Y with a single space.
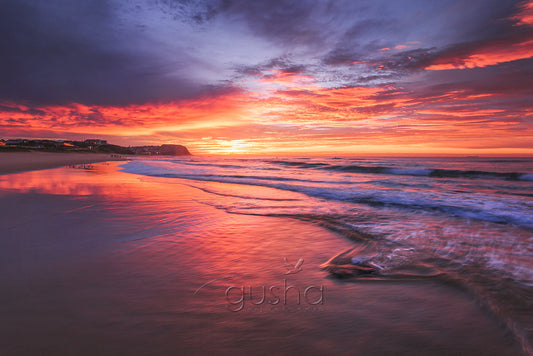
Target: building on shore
x=95 y=142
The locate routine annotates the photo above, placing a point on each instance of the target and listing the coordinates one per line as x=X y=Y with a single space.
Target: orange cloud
x=489 y=54
x=297 y=115
x=517 y=46
x=285 y=78
x=129 y=120
x=525 y=15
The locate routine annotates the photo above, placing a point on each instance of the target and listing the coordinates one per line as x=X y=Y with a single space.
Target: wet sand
x=11 y=162
x=97 y=261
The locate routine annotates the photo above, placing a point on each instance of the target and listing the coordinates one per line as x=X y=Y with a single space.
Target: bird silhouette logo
x=294 y=269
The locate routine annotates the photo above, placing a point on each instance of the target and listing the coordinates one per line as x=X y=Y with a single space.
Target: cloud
x=525 y=15
x=484 y=53
x=282 y=64
x=280 y=71
x=490 y=37
x=285 y=22
x=133 y=119
x=60 y=52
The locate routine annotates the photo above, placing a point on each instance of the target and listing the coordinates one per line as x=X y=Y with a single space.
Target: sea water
x=464 y=221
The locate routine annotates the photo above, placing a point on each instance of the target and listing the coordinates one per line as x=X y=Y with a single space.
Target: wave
x=473 y=235
x=194 y=163
x=376 y=259
x=210 y=191
x=434 y=173
x=425 y=172
x=381 y=260
x=299 y=164
x=480 y=207
x=507 y=300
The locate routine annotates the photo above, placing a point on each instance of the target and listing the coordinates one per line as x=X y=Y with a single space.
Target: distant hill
x=163 y=150
x=108 y=148
x=91 y=145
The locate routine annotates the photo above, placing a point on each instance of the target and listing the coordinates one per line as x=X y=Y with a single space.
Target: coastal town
x=89 y=145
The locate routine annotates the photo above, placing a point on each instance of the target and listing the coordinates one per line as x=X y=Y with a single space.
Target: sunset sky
x=272 y=77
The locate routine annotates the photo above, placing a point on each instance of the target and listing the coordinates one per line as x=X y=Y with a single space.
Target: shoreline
x=98 y=260
x=16 y=162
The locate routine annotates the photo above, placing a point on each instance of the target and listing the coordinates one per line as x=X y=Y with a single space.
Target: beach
x=266 y=178
x=99 y=260
x=11 y=162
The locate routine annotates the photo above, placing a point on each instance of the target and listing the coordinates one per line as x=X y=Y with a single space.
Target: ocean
x=467 y=222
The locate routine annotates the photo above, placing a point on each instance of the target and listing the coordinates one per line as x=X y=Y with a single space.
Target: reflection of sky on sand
x=87 y=179
x=120 y=198
x=148 y=211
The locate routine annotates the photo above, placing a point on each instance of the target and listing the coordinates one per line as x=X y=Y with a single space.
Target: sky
x=276 y=77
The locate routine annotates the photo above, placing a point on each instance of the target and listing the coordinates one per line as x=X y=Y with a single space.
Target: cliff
x=174 y=150
x=163 y=150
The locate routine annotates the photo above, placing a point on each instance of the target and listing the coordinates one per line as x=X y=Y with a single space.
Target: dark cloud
x=61 y=51
x=360 y=42
x=285 y=65
x=343 y=56
x=511 y=80
x=382 y=42
x=17 y=110
x=405 y=60
x=376 y=78
x=281 y=64
x=458 y=54
x=287 y=22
